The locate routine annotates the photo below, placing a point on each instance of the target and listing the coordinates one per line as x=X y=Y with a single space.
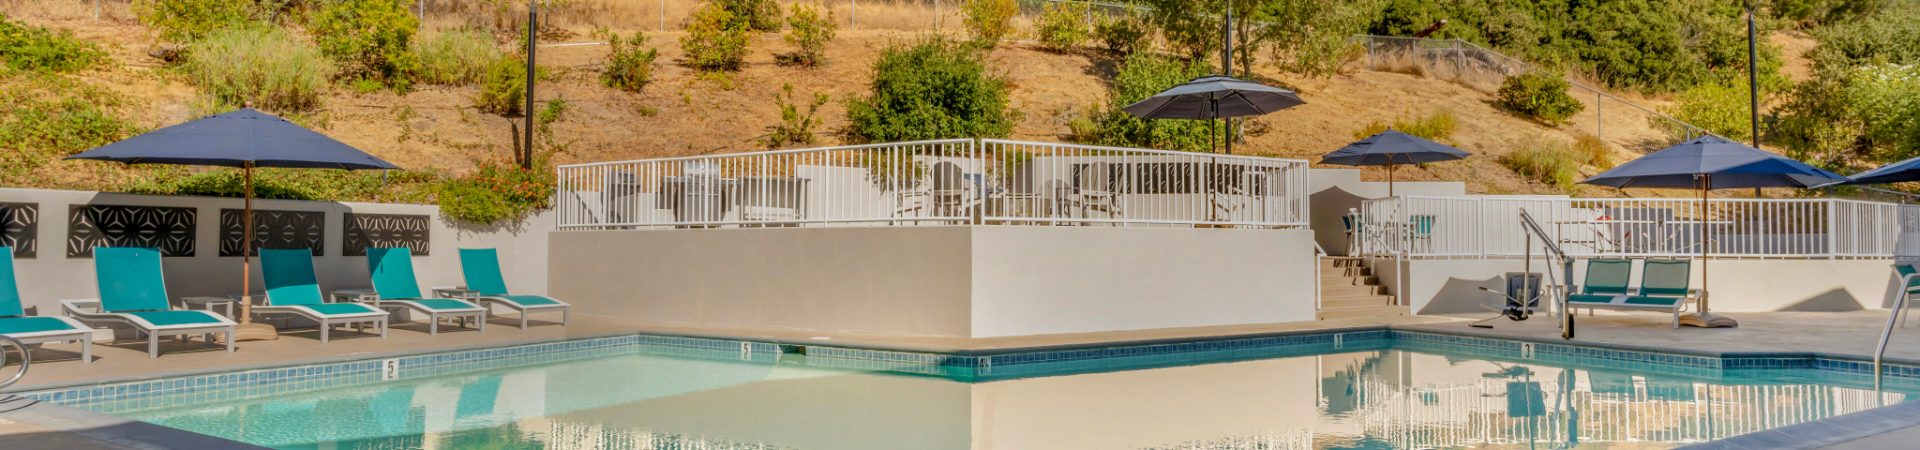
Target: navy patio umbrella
x=1903 y=171
x=1708 y=163
x=1391 y=148
x=246 y=138
x=1214 y=97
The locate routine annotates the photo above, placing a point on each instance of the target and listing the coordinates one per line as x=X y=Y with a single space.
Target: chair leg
x=230 y=337
x=86 y=349
x=383 y=328
x=523 y=319
x=433 y=325
x=325 y=328
x=563 y=316
x=153 y=346
x=483 y=322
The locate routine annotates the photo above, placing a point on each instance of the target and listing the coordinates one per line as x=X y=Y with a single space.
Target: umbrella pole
x=249 y=331
x=1704 y=318
x=1389 y=180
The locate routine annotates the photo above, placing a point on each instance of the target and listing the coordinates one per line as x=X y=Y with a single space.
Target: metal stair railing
x=26 y=361
x=1900 y=297
x=1558 y=297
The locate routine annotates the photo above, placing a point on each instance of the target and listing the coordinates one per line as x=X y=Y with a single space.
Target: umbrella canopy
x=1212 y=97
x=1708 y=163
x=237 y=139
x=1903 y=171
x=1722 y=163
x=246 y=138
x=1390 y=148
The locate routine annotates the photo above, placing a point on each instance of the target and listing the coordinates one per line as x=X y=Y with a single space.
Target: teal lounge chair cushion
x=1607 y=276
x=339 y=309
x=165 y=318
x=13 y=325
x=1907 y=269
x=1591 y=298
x=481 y=267
x=9 y=291
x=1666 y=278
x=442 y=303
x=530 y=300
x=1649 y=300
x=130 y=279
x=392 y=270
x=289 y=277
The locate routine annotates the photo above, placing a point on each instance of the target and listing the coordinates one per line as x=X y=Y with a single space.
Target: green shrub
x=268 y=67
x=1124 y=34
x=1719 y=107
x=714 y=40
x=291 y=184
x=755 y=15
x=503 y=90
x=809 y=30
x=39 y=49
x=931 y=90
x=1191 y=28
x=497 y=192
x=1592 y=151
x=1552 y=164
x=1540 y=95
x=455 y=58
x=371 y=39
x=1437 y=126
x=1880 y=39
x=990 y=20
x=1064 y=26
x=191 y=20
x=1885 y=99
x=1313 y=37
x=1140 y=76
x=44 y=117
x=796 y=126
x=629 y=63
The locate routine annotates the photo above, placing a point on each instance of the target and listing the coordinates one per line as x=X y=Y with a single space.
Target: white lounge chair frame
x=88 y=312
x=80 y=333
x=327 y=322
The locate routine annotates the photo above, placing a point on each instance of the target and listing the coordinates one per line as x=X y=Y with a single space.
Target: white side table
x=207 y=303
x=456 y=292
x=354 y=295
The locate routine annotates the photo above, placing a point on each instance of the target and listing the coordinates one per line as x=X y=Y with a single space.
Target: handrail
x=1886 y=335
x=26 y=360
x=1532 y=228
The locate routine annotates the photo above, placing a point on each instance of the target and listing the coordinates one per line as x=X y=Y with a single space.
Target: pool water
x=1377 y=398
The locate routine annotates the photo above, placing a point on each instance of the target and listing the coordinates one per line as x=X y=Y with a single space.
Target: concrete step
x=1336 y=262
x=1327 y=291
x=1354 y=302
x=1362 y=312
x=1326 y=282
x=1346 y=272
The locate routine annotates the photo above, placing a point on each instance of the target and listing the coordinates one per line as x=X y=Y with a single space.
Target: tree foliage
x=1140 y=76
x=932 y=89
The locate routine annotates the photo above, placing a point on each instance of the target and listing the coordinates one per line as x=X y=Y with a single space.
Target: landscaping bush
x=455 y=58
x=931 y=90
x=39 y=49
x=191 y=20
x=1553 y=164
x=990 y=20
x=503 y=90
x=1719 y=107
x=1124 y=34
x=1540 y=95
x=629 y=63
x=1437 y=126
x=1592 y=151
x=45 y=117
x=1885 y=99
x=266 y=66
x=1313 y=37
x=796 y=126
x=714 y=40
x=1140 y=76
x=291 y=184
x=1064 y=26
x=370 y=39
x=472 y=201
x=497 y=192
x=809 y=29
x=755 y=15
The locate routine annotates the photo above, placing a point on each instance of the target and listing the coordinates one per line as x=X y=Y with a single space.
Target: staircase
x=1348 y=290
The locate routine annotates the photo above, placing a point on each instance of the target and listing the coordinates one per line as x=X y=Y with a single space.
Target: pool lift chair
x=1525 y=290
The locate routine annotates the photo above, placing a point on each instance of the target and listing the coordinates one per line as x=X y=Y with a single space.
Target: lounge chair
x=481 y=267
x=16 y=323
x=1902 y=272
x=1665 y=285
x=292 y=289
x=133 y=293
x=393 y=282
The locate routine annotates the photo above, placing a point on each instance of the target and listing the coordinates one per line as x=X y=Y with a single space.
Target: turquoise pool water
x=1381 y=397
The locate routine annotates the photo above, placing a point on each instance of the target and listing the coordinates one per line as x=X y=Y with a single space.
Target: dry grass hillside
x=682 y=113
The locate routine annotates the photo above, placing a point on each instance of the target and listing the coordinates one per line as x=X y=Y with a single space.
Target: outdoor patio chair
x=481 y=268
x=393 y=282
x=292 y=289
x=1665 y=285
x=1913 y=287
x=1606 y=282
x=16 y=321
x=1093 y=190
x=134 y=293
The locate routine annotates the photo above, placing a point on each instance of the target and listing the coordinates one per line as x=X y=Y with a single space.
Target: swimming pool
x=1331 y=390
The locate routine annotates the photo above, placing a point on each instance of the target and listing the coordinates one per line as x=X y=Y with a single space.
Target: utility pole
x=1226 y=67
x=533 y=36
x=1753 y=86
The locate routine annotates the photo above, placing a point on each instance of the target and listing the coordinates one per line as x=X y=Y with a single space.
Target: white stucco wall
x=1434 y=286
x=51 y=276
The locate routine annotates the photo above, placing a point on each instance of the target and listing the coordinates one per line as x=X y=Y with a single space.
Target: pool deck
x=1851 y=334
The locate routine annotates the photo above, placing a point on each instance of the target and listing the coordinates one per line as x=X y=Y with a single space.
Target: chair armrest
x=81 y=307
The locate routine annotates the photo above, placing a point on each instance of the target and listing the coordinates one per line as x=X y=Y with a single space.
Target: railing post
x=1833 y=229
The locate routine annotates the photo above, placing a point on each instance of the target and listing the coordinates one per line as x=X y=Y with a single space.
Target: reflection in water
x=1374 y=399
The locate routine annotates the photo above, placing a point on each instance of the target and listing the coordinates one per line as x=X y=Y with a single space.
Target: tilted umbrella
x=1391 y=148
x=1903 y=171
x=1215 y=97
x=246 y=138
x=1708 y=163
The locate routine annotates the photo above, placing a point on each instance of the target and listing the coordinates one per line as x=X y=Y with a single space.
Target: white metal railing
x=1480 y=226
x=961 y=181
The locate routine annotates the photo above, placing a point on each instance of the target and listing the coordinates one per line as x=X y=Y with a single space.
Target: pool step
x=1349 y=290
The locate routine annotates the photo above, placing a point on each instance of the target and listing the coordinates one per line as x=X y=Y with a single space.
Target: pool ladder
x=26 y=362
x=1893 y=319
